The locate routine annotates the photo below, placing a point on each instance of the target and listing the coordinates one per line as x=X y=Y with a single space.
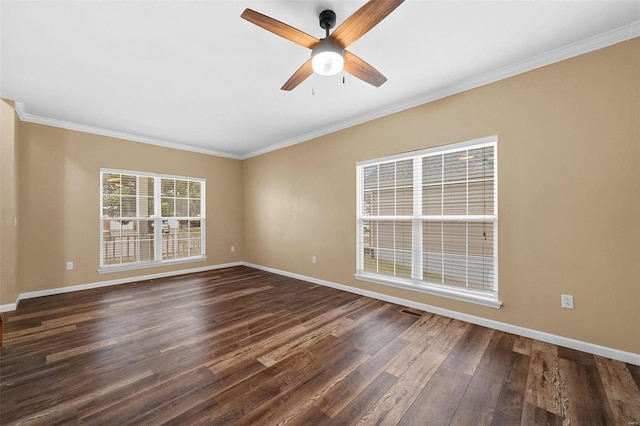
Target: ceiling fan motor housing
x=327 y=19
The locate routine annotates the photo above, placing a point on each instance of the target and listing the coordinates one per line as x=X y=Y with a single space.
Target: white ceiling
x=194 y=75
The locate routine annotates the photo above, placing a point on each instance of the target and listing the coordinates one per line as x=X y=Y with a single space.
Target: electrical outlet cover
x=567 y=301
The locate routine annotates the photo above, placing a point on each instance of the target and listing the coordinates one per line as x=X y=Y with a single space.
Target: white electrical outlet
x=69 y=266
x=567 y=301
x=233 y=248
x=314 y=260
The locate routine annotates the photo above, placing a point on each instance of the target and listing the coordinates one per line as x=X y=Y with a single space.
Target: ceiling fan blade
x=365 y=72
x=280 y=28
x=362 y=20
x=299 y=76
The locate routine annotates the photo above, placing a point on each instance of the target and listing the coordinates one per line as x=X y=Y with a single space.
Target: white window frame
x=416 y=283
x=157 y=219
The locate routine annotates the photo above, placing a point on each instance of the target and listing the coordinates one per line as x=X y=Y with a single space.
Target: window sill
x=450 y=293
x=145 y=265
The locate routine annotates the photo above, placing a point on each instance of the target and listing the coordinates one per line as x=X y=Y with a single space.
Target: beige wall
x=8 y=204
x=59 y=195
x=569 y=194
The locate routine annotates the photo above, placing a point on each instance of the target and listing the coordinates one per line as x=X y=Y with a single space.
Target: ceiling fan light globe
x=327 y=59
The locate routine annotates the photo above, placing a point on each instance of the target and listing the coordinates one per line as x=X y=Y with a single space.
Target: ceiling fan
x=329 y=55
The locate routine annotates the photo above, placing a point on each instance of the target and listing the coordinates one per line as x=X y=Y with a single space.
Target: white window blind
x=148 y=219
x=428 y=221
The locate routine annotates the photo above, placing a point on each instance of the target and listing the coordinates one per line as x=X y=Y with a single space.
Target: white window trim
x=105 y=269
x=418 y=285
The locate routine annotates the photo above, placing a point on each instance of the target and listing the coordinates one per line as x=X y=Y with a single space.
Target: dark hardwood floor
x=241 y=346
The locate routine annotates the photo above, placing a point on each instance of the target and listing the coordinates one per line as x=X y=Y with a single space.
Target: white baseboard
x=8 y=307
x=629 y=357
x=69 y=289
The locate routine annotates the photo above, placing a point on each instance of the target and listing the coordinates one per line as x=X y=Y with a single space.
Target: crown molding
x=600 y=41
x=32 y=118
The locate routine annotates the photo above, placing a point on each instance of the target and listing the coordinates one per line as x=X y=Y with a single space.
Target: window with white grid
x=148 y=219
x=428 y=221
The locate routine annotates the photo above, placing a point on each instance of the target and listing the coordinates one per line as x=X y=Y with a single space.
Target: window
x=427 y=221
x=148 y=219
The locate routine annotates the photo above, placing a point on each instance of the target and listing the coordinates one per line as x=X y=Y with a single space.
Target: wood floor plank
x=511 y=398
x=543 y=382
x=466 y=354
x=439 y=400
x=634 y=370
x=344 y=392
x=294 y=401
x=499 y=353
x=408 y=357
x=481 y=399
x=242 y=346
x=536 y=416
x=621 y=390
x=522 y=345
x=396 y=401
x=358 y=407
x=583 y=408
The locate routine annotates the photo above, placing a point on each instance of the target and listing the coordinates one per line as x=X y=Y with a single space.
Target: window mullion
x=466 y=226
x=416 y=226
x=157 y=219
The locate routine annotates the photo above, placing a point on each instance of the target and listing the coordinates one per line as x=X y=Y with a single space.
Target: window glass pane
x=129 y=185
x=370 y=177
x=481 y=198
x=403 y=235
x=369 y=229
x=404 y=173
x=167 y=187
x=385 y=258
x=480 y=162
x=454 y=240
x=386 y=202
x=387 y=175
x=432 y=170
x=194 y=189
x=128 y=206
x=432 y=251
x=480 y=262
x=370 y=203
x=148 y=184
x=455 y=167
x=455 y=199
x=167 y=207
x=146 y=207
x=194 y=208
x=195 y=241
x=182 y=207
x=182 y=188
x=111 y=205
x=384 y=236
x=111 y=183
x=194 y=228
x=403 y=264
x=432 y=200
x=404 y=187
x=404 y=201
